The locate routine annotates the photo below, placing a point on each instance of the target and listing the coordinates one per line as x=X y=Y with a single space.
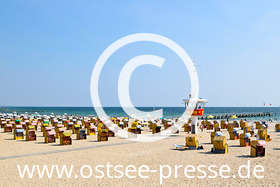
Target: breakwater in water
x=242 y=115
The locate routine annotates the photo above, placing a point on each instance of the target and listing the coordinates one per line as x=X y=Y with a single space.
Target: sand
x=120 y=151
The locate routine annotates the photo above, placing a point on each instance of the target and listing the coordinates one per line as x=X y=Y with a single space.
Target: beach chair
x=17 y=122
x=59 y=132
x=138 y=129
x=85 y=123
x=54 y=122
x=192 y=142
x=220 y=145
x=277 y=127
x=167 y=124
x=187 y=127
x=18 y=132
x=203 y=123
x=100 y=126
x=44 y=125
x=262 y=134
x=81 y=135
x=65 y=122
x=50 y=137
x=132 y=130
x=150 y=124
x=65 y=138
x=235 y=124
x=3 y=123
x=258 y=125
x=76 y=128
x=111 y=133
x=257 y=148
x=121 y=125
x=125 y=122
x=234 y=135
x=102 y=135
x=212 y=136
x=248 y=129
x=223 y=124
x=8 y=127
x=91 y=129
x=24 y=125
x=57 y=128
x=69 y=125
x=243 y=124
x=47 y=129
x=114 y=120
x=216 y=125
x=155 y=128
x=30 y=133
x=134 y=124
x=135 y=128
x=35 y=124
x=245 y=139
x=230 y=127
x=209 y=125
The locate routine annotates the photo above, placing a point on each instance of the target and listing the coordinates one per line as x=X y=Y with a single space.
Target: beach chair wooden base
x=156 y=129
x=65 y=141
x=102 y=138
x=102 y=135
x=50 y=139
x=111 y=133
x=31 y=136
x=19 y=136
x=132 y=130
x=257 y=151
x=91 y=131
x=65 y=138
x=257 y=148
x=8 y=129
x=82 y=135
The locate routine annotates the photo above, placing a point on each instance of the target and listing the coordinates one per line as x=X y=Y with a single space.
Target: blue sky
x=49 y=48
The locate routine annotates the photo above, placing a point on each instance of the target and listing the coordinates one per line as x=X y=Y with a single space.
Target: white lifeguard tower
x=198 y=111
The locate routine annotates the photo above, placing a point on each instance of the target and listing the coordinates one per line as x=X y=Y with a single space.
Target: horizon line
x=13 y=106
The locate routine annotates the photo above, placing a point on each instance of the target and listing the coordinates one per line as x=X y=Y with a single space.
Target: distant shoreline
x=136 y=107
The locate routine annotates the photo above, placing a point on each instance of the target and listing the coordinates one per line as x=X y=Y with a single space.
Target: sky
x=48 y=50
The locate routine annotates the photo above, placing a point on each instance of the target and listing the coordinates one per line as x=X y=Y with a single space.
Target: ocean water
x=168 y=112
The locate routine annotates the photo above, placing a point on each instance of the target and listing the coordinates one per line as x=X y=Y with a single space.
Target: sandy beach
x=120 y=151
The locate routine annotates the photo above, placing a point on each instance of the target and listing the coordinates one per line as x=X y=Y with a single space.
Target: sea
x=168 y=112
